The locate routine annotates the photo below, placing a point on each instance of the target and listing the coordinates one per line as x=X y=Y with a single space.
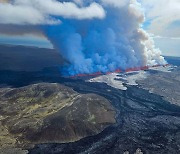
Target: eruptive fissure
x=104 y=45
x=134 y=69
x=92 y=35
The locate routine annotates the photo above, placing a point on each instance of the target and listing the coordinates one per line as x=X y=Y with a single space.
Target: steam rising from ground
x=116 y=41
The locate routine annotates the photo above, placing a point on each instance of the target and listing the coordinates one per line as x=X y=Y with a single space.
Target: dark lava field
x=145 y=122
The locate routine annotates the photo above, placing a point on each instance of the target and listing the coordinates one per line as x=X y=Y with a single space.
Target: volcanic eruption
x=116 y=41
x=92 y=35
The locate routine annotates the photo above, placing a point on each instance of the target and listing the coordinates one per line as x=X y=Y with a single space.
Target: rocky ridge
x=50 y=113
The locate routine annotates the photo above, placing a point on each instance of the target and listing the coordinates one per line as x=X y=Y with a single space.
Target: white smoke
x=117 y=41
x=94 y=35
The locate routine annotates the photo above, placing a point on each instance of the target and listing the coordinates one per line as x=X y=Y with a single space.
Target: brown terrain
x=49 y=113
x=50 y=117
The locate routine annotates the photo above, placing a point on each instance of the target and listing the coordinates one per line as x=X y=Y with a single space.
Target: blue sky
x=163 y=22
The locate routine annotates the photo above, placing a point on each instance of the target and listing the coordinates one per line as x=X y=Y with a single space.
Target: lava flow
x=117 y=71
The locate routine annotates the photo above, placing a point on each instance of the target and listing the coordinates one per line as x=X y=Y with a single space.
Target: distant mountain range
x=23 y=58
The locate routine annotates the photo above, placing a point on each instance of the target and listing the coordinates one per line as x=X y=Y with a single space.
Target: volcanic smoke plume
x=116 y=41
x=92 y=35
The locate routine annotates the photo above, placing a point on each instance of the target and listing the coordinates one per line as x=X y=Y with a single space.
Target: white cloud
x=41 y=11
x=116 y=3
x=22 y=15
x=163 y=21
x=163 y=14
